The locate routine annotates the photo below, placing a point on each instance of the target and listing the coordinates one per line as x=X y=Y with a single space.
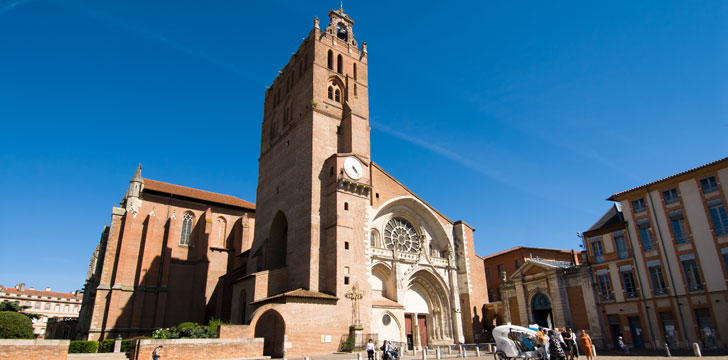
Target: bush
x=185 y=325
x=106 y=346
x=15 y=325
x=126 y=345
x=83 y=347
x=214 y=324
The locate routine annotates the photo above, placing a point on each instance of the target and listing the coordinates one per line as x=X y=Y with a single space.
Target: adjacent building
x=46 y=303
x=660 y=261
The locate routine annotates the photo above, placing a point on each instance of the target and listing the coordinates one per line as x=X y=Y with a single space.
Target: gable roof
x=613 y=216
x=564 y=251
x=40 y=293
x=197 y=194
x=549 y=264
x=619 y=194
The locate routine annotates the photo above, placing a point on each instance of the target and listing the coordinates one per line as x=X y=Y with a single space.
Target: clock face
x=353 y=168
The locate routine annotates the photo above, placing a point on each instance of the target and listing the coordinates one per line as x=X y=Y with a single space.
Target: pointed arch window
x=340 y=64
x=337 y=95
x=221 y=231
x=187 y=221
x=331 y=93
x=331 y=60
x=354 y=71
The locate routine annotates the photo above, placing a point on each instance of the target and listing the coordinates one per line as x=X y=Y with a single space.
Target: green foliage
x=314 y=103
x=185 y=325
x=126 y=345
x=348 y=344
x=14 y=325
x=106 y=346
x=84 y=347
x=214 y=324
x=168 y=333
x=11 y=306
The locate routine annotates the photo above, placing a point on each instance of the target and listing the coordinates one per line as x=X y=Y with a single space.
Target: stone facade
x=553 y=294
x=46 y=303
x=660 y=260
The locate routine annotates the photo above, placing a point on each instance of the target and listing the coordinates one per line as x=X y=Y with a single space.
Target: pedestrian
x=568 y=344
x=370 y=350
x=622 y=346
x=543 y=340
x=586 y=345
x=574 y=345
x=386 y=348
x=555 y=349
x=157 y=353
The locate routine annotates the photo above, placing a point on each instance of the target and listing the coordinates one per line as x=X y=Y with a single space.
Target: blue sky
x=519 y=117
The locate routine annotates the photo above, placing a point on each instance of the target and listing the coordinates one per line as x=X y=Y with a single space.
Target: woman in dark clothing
x=557 y=353
x=568 y=343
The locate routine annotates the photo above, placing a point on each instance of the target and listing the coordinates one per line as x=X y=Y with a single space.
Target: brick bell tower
x=314 y=170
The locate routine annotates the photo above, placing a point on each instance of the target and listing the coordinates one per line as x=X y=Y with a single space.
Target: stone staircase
x=98 y=356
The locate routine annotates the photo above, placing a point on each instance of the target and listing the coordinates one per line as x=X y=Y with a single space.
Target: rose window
x=401 y=235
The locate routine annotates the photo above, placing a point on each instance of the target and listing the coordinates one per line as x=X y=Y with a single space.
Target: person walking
x=543 y=340
x=622 y=346
x=568 y=344
x=574 y=345
x=555 y=349
x=370 y=350
x=157 y=353
x=586 y=345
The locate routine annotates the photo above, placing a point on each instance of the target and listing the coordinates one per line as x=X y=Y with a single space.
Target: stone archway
x=541 y=310
x=427 y=310
x=272 y=328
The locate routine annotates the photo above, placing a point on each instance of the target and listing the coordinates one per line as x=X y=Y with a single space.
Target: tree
x=14 y=307
x=13 y=325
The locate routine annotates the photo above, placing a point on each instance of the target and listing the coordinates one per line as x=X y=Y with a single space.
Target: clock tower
x=314 y=173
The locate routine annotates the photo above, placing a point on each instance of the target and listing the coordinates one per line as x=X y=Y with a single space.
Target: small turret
x=132 y=199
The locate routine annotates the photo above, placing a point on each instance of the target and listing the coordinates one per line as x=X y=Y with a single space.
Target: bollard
x=696 y=350
x=465 y=352
x=477 y=351
x=490 y=349
x=376 y=355
x=424 y=354
x=358 y=356
x=449 y=350
x=306 y=358
x=594 y=350
x=117 y=344
x=414 y=351
x=438 y=353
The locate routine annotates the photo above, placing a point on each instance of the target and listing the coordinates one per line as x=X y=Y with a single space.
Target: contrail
x=10 y=5
x=158 y=38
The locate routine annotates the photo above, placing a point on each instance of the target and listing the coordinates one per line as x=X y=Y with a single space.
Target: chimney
x=48 y=288
x=20 y=287
x=31 y=288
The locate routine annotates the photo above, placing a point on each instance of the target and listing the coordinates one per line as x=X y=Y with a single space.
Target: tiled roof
x=299 y=293
x=611 y=217
x=554 y=263
x=41 y=293
x=525 y=248
x=163 y=187
x=612 y=198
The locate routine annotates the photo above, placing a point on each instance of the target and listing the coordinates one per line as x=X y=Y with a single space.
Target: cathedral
x=334 y=245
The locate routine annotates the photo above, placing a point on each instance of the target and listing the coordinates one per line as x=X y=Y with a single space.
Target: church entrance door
x=408 y=331
x=422 y=327
x=541 y=307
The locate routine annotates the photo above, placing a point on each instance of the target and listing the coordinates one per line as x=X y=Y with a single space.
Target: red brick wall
x=578 y=308
x=199 y=349
x=234 y=331
x=34 y=349
x=515 y=313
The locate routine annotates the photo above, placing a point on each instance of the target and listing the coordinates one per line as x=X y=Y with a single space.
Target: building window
x=354 y=71
x=656 y=277
x=331 y=60
x=187 y=220
x=331 y=93
x=677 y=222
x=709 y=185
x=670 y=196
x=37 y=305
x=638 y=206
x=718 y=216
x=75 y=308
x=723 y=251
x=221 y=231
x=337 y=95
x=692 y=275
x=57 y=308
x=518 y=264
x=605 y=290
x=621 y=244
x=597 y=249
x=630 y=289
x=66 y=308
x=48 y=306
x=340 y=64
x=645 y=234
x=500 y=270
x=487 y=274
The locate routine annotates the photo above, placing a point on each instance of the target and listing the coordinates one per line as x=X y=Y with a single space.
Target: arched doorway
x=427 y=311
x=541 y=309
x=271 y=327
